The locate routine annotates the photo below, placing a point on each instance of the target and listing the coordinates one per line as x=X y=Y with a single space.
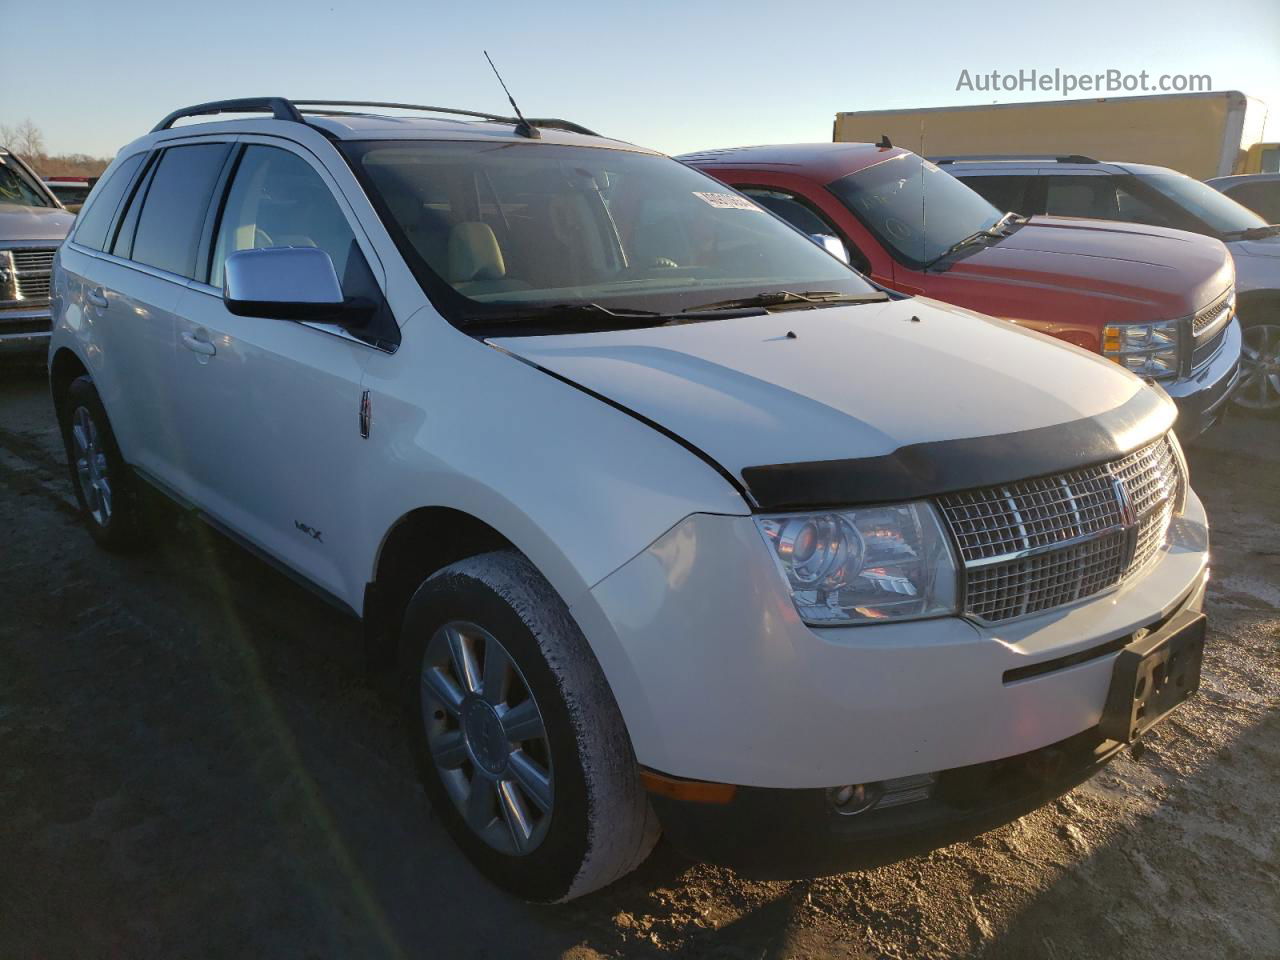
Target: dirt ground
x=194 y=762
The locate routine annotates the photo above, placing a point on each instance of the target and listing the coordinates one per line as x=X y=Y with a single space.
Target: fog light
x=853 y=798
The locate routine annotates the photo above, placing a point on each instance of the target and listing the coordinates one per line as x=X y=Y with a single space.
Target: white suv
x=665 y=509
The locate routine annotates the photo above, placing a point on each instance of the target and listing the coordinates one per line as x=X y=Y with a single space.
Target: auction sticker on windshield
x=726 y=201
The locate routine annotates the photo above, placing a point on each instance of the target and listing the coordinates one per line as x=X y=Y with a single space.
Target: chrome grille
x=31 y=272
x=1207 y=317
x=1038 y=544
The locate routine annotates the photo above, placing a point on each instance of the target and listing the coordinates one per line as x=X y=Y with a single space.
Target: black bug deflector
x=946 y=466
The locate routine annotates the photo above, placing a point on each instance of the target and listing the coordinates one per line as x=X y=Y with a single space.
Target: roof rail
x=278 y=107
x=549 y=122
x=284 y=109
x=1058 y=158
x=552 y=123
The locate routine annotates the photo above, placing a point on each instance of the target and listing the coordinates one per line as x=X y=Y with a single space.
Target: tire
x=106 y=488
x=489 y=761
x=1258 y=391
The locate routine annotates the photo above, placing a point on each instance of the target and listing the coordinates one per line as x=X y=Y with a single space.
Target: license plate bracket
x=1152 y=676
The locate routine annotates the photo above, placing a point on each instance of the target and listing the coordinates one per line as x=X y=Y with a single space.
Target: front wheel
x=1259 y=386
x=519 y=742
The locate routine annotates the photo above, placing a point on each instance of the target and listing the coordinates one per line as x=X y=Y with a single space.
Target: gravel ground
x=193 y=762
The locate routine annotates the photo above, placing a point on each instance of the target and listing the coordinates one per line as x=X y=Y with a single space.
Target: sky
x=675 y=76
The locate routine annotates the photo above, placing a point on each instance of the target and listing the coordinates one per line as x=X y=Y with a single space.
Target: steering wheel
x=261 y=239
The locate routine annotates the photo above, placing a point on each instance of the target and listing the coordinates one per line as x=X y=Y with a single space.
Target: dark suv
x=32 y=225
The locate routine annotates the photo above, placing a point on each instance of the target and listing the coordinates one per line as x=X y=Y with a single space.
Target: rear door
x=146 y=262
x=270 y=409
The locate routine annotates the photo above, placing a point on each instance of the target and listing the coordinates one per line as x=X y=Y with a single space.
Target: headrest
x=474 y=253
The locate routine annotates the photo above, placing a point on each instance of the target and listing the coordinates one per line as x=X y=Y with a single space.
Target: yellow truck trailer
x=1200 y=134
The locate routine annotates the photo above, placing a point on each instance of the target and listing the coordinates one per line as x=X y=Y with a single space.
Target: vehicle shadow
x=1197 y=876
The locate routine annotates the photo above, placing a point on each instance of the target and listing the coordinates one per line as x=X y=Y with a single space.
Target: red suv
x=1159 y=302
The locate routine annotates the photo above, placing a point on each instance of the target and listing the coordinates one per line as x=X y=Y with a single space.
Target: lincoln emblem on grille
x=1128 y=517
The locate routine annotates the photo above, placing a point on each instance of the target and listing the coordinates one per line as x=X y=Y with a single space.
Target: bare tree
x=26 y=140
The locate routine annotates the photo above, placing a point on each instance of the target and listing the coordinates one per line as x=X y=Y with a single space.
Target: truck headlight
x=868 y=565
x=1147 y=349
x=8 y=278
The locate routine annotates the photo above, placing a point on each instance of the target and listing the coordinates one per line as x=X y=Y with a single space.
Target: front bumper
x=719 y=680
x=1202 y=397
x=797 y=833
x=25 y=331
x=801 y=832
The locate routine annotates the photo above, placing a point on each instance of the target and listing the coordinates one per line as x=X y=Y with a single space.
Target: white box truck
x=1200 y=134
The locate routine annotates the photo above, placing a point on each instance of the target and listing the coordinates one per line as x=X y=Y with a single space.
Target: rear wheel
x=105 y=487
x=1259 y=386
x=519 y=742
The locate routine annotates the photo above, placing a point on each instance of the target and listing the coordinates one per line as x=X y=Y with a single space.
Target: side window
x=278 y=200
x=1005 y=193
x=1260 y=196
x=804 y=218
x=1137 y=210
x=173 y=210
x=1083 y=196
x=95 y=220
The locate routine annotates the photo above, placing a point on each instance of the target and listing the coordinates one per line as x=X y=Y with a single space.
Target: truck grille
x=1209 y=329
x=31 y=268
x=1206 y=318
x=1038 y=544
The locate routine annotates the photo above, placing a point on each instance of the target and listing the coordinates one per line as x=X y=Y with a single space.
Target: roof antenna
x=884 y=143
x=524 y=128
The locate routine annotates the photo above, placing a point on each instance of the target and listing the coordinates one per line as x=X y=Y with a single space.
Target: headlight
x=867 y=565
x=8 y=277
x=1147 y=349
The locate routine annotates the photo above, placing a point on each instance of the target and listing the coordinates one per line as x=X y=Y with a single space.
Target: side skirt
x=280 y=566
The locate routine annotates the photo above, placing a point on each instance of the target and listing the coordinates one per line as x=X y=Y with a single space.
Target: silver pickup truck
x=32 y=225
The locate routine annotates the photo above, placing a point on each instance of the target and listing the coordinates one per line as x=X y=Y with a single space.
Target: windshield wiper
x=782 y=298
x=563 y=311
x=993 y=232
x=1253 y=233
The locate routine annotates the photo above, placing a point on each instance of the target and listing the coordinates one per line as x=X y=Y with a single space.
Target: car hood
x=22 y=223
x=1133 y=272
x=1264 y=247
x=836 y=383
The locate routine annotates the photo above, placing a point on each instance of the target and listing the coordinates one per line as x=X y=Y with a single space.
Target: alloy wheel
x=487 y=738
x=1259 y=387
x=92 y=471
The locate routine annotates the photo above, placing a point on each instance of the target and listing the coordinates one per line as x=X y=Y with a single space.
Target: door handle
x=97 y=298
x=196 y=345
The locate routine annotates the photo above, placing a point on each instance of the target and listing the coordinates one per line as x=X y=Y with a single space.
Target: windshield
x=16 y=187
x=914 y=209
x=496 y=228
x=1218 y=211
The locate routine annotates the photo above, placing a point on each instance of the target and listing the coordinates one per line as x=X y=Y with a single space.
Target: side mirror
x=833 y=245
x=285 y=283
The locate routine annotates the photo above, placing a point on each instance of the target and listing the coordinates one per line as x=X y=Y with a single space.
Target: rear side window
x=1260 y=196
x=173 y=211
x=1085 y=196
x=95 y=220
x=1007 y=194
